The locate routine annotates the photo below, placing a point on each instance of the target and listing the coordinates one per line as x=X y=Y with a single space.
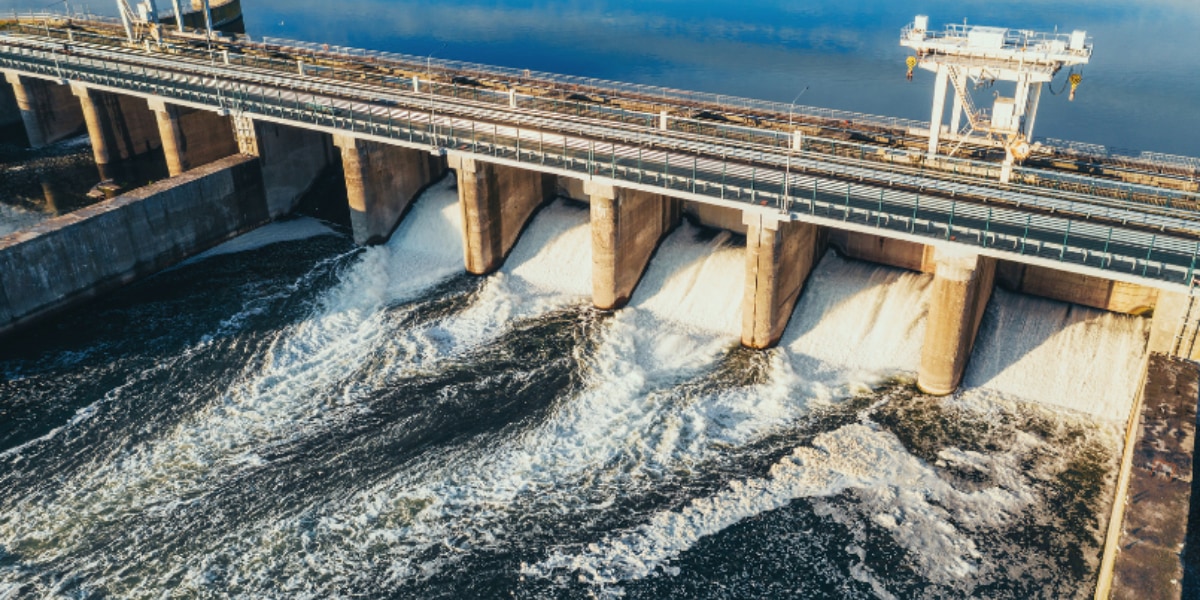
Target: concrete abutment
x=779 y=256
x=121 y=128
x=381 y=183
x=627 y=226
x=962 y=286
x=291 y=159
x=496 y=203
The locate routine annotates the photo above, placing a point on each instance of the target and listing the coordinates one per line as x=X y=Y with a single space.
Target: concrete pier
x=779 y=257
x=291 y=159
x=496 y=203
x=45 y=109
x=191 y=137
x=120 y=127
x=66 y=260
x=962 y=286
x=627 y=226
x=381 y=182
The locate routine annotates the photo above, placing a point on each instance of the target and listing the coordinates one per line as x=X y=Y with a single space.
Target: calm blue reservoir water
x=292 y=416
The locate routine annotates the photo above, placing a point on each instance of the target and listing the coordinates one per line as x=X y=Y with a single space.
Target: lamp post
x=432 y=106
x=786 y=205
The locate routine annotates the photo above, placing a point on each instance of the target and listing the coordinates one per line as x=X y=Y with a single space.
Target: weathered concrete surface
x=1148 y=564
x=63 y=261
x=717 y=217
x=381 y=183
x=292 y=159
x=496 y=203
x=1174 y=329
x=120 y=127
x=627 y=226
x=779 y=257
x=46 y=108
x=572 y=189
x=962 y=286
x=192 y=137
x=1085 y=290
x=883 y=250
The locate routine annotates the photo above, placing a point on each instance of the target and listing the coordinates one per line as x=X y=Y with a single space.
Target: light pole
x=786 y=205
x=432 y=109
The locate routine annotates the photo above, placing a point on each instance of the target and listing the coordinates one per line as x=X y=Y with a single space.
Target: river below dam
x=291 y=416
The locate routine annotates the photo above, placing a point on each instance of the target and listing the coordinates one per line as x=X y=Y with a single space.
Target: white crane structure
x=144 y=16
x=961 y=55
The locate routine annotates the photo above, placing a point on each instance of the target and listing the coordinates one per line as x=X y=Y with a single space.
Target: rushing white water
x=1059 y=354
x=291 y=390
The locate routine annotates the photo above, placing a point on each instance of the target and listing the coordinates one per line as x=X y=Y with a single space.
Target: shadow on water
x=1013 y=326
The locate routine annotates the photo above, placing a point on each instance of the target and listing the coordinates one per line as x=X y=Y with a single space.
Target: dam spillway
x=513 y=412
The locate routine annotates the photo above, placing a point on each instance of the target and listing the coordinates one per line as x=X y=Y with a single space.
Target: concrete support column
x=496 y=201
x=939 y=105
x=962 y=286
x=627 y=226
x=169 y=132
x=95 y=128
x=779 y=256
x=381 y=183
x=29 y=115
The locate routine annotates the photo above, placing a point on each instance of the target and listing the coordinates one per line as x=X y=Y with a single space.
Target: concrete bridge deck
x=1123 y=240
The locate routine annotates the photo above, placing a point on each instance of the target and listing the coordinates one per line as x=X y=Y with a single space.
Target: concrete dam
x=243 y=128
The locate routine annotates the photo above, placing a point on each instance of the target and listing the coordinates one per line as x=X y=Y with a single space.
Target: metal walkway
x=1115 y=235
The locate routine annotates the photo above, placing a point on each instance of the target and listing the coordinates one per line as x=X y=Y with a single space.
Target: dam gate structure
x=1126 y=239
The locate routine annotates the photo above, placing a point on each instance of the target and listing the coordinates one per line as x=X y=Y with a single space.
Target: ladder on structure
x=1189 y=326
x=974 y=118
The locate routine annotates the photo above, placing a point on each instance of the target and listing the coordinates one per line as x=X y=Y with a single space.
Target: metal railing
x=651 y=160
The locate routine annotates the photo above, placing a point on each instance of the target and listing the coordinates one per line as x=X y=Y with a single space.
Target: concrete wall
x=381 y=183
x=120 y=127
x=717 y=217
x=913 y=256
x=1105 y=294
x=496 y=203
x=627 y=226
x=962 y=286
x=291 y=158
x=10 y=115
x=63 y=261
x=47 y=109
x=779 y=257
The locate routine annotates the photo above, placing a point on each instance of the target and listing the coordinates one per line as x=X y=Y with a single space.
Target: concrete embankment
x=1143 y=554
x=68 y=259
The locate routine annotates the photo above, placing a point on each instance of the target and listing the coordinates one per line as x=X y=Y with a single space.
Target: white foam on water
x=1060 y=355
x=623 y=425
x=912 y=501
x=855 y=324
x=279 y=398
x=271 y=233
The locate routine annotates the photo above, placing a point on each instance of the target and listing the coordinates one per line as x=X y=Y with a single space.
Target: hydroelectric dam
x=245 y=127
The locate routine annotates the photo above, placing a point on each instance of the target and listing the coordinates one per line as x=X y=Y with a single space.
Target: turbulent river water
x=289 y=415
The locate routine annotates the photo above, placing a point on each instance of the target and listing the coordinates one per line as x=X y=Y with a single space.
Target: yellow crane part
x=1075 y=79
x=912 y=64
